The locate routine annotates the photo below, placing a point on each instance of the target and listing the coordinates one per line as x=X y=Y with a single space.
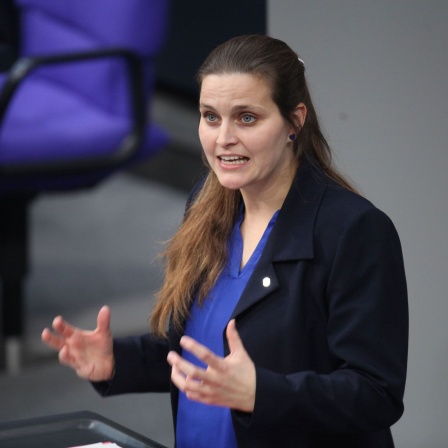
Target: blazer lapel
x=291 y=238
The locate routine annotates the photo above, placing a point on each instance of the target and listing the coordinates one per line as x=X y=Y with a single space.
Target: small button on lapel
x=266 y=282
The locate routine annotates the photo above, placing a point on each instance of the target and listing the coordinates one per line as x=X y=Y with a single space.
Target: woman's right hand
x=89 y=353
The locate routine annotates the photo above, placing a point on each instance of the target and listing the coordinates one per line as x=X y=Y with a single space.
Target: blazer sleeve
x=140 y=366
x=367 y=336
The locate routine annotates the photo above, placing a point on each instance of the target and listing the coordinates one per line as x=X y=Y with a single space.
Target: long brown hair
x=197 y=253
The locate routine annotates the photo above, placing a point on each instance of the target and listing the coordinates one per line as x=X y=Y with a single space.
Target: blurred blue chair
x=72 y=112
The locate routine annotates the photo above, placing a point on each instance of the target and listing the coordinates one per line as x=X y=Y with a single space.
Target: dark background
x=197 y=27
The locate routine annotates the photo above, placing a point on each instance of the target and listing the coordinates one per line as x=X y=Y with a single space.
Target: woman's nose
x=226 y=135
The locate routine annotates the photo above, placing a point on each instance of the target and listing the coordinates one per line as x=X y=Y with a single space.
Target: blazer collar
x=292 y=237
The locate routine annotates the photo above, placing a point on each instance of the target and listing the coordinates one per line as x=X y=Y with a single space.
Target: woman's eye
x=247 y=119
x=210 y=117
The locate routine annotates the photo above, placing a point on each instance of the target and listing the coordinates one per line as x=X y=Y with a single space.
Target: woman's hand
x=89 y=353
x=228 y=381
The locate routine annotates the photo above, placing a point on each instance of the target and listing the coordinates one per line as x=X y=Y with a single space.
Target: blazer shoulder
x=341 y=208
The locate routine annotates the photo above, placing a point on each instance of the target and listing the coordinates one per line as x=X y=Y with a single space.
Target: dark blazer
x=328 y=333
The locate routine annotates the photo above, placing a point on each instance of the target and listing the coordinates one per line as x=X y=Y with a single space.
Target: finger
x=233 y=337
x=63 y=327
x=186 y=368
x=201 y=352
x=52 y=340
x=172 y=358
x=103 y=320
x=193 y=388
x=65 y=358
x=178 y=378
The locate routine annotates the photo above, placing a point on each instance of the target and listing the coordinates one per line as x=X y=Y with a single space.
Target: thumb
x=103 y=320
x=233 y=337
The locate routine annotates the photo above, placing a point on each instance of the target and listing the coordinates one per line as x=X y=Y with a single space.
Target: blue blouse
x=200 y=425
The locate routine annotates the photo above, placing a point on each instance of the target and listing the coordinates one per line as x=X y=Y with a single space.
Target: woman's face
x=244 y=137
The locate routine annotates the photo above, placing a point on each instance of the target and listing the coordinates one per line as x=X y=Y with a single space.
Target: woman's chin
x=230 y=181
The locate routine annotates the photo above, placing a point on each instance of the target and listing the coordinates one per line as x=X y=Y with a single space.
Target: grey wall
x=378 y=71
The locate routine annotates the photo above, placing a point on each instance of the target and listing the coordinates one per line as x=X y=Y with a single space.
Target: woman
x=282 y=320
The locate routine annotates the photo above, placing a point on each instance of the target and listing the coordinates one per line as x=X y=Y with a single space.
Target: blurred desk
x=68 y=430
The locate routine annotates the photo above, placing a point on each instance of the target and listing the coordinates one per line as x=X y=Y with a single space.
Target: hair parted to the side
x=197 y=253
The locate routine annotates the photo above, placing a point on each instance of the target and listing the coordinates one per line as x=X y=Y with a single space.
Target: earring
x=292 y=137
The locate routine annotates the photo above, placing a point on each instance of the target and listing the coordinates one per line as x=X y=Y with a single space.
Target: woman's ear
x=299 y=116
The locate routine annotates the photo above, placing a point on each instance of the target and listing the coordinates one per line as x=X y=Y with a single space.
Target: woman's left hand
x=228 y=381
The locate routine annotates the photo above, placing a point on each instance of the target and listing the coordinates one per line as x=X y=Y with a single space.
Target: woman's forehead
x=234 y=86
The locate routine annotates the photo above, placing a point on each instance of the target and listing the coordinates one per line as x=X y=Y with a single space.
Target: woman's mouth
x=232 y=160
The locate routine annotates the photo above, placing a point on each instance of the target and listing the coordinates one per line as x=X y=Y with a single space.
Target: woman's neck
x=265 y=203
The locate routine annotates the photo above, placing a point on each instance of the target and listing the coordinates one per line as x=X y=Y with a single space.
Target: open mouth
x=233 y=160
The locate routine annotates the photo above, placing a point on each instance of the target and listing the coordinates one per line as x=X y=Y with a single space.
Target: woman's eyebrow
x=241 y=107
x=236 y=108
x=205 y=106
